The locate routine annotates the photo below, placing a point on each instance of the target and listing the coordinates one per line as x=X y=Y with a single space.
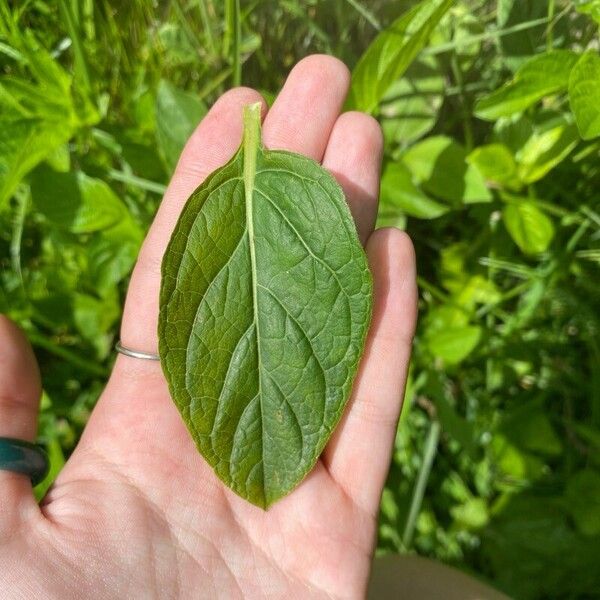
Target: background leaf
x=440 y=165
x=584 y=95
x=392 y=51
x=528 y=226
x=540 y=76
x=75 y=201
x=177 y=115
x=398 y=190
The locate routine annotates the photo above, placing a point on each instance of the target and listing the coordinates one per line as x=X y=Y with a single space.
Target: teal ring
x=22 y=457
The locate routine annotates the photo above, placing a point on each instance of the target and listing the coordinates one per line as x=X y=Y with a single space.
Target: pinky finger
x=358 y=455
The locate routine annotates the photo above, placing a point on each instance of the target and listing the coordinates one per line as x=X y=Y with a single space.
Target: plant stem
x=550 y=30
x=429 y=453
x=233 y=38
x=139 y=182
x=206 y=24
x=73 y=29
x=38 y=339
x=367 y=14
x=466 y=113
x=441 y=48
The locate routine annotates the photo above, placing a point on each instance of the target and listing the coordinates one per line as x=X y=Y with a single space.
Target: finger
x=358 y=454
x=353 y=156
x=20 y=392
x=307 y=107
x=212 y=144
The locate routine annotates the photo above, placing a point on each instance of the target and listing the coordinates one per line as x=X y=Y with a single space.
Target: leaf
x=497 y=165
x=473 y=514
x=75 y=201
x=392 y=51
x=521 y=43
x=582 y=497
x=547 y=147
x=265 y=303
x=589 y=7
x=439 y=164
x=94 y=319
x=540 y=76
x=529 y=428
x=584 y=94
x=453 y=345
x=177 y=114
x=23 y=145
x=528 y=226
x=112 y=253
x=399 y=191
x=411 y=105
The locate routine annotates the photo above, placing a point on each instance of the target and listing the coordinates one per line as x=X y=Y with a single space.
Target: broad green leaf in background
x=548 y=146
x=265 y=304
x=584 y=94
x=521 y=44
x=529 y=427
x=439 y=165
x=473 y=513
x=448 y=335
x=75 y=201
x=535 y=550
x=589 y=7
x=411 y=105
x=528 y=226
x=23 y=145
x=94 y=318
x=112 y=253
x=540 y=76
x=399 y=191
x=582 y=500
x=455 y=344
x=497 y=165
x=392 y=51
x=177 y=114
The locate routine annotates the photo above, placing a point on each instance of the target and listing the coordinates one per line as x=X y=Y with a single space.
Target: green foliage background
x=492 y=165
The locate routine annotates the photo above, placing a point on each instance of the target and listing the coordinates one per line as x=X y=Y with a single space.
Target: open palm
x=136 y=512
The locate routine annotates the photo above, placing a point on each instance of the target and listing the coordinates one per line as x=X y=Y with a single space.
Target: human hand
x=136 y=511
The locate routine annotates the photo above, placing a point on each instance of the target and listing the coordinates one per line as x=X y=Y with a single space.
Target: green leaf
x=528 y=226
x=589 y=7
x=265 y=303
x=94 y=319
x=473 y=513
x=392 y=51
x=439 y=164
x=547 y=147
x=399 y=191
x=75 y=201
x=529 y=428
x=411 y=105
x=540 y=76
x=23 y=145
x=584 y=94
x=521 y=43
x=453 y=345
x=177 y=114
x=497 y=165
x=112 y=253
x=582 y=497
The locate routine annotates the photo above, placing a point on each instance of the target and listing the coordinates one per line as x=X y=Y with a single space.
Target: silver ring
x=135 y=353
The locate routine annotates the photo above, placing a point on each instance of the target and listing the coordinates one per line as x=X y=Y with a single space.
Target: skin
x=136 y=512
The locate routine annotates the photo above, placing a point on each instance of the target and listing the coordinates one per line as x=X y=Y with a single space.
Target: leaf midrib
x=251 y=147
